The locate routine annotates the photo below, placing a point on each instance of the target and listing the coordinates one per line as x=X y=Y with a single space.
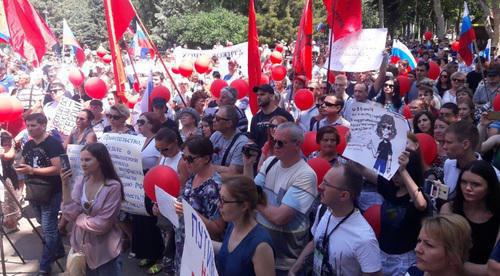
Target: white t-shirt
x=324 y=122
x=171 y=162
x=352 y=248
x=449 y=98
x=150 y=155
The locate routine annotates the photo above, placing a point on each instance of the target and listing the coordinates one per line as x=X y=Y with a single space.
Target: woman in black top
x=478 y=201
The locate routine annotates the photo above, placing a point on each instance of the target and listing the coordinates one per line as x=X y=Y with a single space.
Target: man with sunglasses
x=331 y=108
x=290 y=187
x=343 y=241
x=228 y=142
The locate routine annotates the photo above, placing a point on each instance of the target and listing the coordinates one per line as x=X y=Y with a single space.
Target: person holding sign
x=247 y=246
x=93 y=206
x=83 y=133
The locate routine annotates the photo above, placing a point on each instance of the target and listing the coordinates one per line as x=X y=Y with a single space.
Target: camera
x=251 y=149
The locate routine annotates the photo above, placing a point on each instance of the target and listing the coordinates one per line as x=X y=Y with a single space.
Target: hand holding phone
x=64 y=159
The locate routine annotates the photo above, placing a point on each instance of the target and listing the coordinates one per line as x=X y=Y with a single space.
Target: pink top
x=96 y=235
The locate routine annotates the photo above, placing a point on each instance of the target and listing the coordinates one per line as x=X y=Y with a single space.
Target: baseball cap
x=264 y=88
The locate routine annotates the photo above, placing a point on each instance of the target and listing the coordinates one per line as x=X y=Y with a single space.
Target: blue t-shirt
x=239 y=262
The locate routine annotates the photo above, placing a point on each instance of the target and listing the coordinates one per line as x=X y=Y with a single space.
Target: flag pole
x=328 y=85
x=476 y=49
x=159 y=56
x=112 y=45
x=132 y=64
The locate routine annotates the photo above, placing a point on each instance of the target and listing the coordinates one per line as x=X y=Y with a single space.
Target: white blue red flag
x=487 y=51
x=402 y=52
x=140 y=44
x=467 y=37
x=70 y=40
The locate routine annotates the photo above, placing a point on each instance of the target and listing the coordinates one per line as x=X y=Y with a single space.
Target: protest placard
x=166 y=205
x=198 y=256
x=360 y=51
x=125 y=151
x=65 y=116
x=73 y=153
x=239 y=52
x=377 y=138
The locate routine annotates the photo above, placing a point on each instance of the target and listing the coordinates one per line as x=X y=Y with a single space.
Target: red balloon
x=186 y=68
x=216 y=87
x=136 y=86
x=428 y=147
x=175 y=69
x=276 y=57
x=107 y=58
x=160 y=92
x=210 y=67
x=309 y=144
x=320 y=167
x=241 y=86
x=96 y=88
x=434 y=70
x=6 y=108
x=76 y=77
x=342 y=144
x=455 y=45
x=278 y=47
x=394 y=59
x=101 y=51
x=407 y=112
x=304 y=99
x=428 y=35
x=278 y=72
x=17 y=108
x=331 y=77
x=201 y=64
x=163 y=177
x=264 y=79
x=496 y=103
x=372 y=216
x=404 y=85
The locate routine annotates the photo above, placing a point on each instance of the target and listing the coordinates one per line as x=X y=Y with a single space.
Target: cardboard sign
x=358 y=52
x=198 y=257
x=377 y=138
x=166 y=205
x=65 y=116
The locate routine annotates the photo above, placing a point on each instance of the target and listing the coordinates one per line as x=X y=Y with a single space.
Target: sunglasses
x=162 y=150
x=141 y=122
x=272 y=126
x=444 y=76
x=328 y=104
x=458 y=80
x=189 y=158
x=223 y=201
x=114 y=117
x=280 y=143
x=389 y=85
x=218 y=118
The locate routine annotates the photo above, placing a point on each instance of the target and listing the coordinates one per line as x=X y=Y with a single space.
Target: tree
x=438 y=12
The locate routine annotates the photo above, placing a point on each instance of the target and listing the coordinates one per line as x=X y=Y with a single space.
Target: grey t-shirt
x=221 y=144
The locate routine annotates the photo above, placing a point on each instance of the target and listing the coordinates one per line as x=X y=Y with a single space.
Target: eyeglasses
x=218 y=118
x=389 y=85
x=189 y=158
x=444 y=76
x=223 y=201
x=333 y=186
x=458 y=80
x=280 y=143
x=81 y=119
x=55 y=91
x=162 y=150
x=272 y=126
x=388 y=127
x=141 y=122
x=328 y=104
x=113 y=117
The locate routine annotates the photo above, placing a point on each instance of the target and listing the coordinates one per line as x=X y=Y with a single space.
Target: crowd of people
x=247 y=176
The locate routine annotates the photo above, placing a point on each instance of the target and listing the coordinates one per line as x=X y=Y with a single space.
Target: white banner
x=73 y=153
x=65 y=116
x=166 y=205
x=198 y=256
x=377 y=138
x=358 y=52
x=125 y=151
x=239 y=52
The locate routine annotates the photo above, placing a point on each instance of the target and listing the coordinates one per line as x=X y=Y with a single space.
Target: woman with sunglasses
x=247 y=246
x=93 y=205
x=201 y=191
x=147 y=241
x=443 y=83
x=458 y=80
x=118 y=116
x=477 y=201
x=83 y=133
x=389 y=96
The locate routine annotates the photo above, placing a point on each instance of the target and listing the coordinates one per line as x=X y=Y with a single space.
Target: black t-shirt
x=473 y=79
x=258 y=127
x=39 y=155
x=399 y=220
x=384 y=150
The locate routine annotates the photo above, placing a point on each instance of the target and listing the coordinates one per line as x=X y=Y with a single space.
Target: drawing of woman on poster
x=386 y=130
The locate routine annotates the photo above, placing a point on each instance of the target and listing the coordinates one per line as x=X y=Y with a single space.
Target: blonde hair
x=454 y=232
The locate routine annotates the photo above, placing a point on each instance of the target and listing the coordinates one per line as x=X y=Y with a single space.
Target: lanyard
x=327 y=237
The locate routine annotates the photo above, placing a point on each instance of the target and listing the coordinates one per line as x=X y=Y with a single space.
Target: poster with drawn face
x=377 y=138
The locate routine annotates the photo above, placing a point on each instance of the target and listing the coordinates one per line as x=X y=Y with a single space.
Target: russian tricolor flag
x=140 y=44
x=70 y=40
x=467 y=37
x=402 y=52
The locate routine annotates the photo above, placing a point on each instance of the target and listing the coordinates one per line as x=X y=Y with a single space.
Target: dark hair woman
x=389 y=96
x=83 y=133
x=423 y=123
x=93 y=206
x=443 y=83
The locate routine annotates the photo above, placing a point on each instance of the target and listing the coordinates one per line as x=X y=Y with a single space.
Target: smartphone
x=65 y=165
x=494 y=115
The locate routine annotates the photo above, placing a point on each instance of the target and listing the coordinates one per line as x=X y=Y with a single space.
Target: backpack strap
x=226 y=153
x=271 y=164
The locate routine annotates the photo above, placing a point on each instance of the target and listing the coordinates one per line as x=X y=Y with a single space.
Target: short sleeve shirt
x=221 y=145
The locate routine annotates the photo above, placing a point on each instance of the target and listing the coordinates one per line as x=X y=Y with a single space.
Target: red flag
x=302 y=54
x=119 y=14
x=347 y=17
x=254 y=69
x=329 y=11
x=29 y=34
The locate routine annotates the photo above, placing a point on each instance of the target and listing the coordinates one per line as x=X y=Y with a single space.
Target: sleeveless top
x=483 y=238
x=239 y=261
x=73 y=140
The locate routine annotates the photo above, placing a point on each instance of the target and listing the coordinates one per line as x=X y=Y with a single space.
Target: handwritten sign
x=377 y=138
x=166 y=206
x=239 y=52
x=358 y=52
x=125 y=151
x=73 y=153
x=65 y=115
x=198 y=256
